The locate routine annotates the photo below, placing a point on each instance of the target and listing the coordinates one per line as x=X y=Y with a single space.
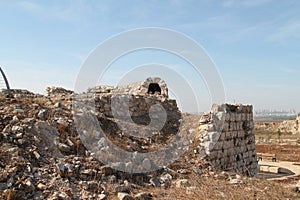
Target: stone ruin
x=42 y=155
x=226 y=138
x=225 y=135
x=137 y=97
x=35 y=167
x=139 y=117
x=149 y=87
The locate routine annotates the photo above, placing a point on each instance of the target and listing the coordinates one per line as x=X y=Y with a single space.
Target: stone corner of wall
x=227 y=138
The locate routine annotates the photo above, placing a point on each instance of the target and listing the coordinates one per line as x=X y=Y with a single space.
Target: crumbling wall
x=138 y=88
x=226 y=138
x=135 y=99
x=119 y=105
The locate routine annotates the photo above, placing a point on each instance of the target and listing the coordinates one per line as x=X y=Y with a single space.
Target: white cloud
x=244 y=3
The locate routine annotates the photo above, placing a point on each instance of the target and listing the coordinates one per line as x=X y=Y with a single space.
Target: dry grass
x=266 y=134
x=208 y=188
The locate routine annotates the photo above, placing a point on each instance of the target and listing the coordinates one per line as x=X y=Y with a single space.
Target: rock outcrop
x=290 y=126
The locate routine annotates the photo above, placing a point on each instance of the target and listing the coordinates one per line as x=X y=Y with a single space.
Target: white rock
x=124 y=196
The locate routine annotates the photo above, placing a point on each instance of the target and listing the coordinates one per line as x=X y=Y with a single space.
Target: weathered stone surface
x=225 y=144
x=41 y=186
x=150 y=86
x=155 y=181
x=57 y=90
x=43 y=114
x=122 y=188
x=124 y=196
x=102 y=196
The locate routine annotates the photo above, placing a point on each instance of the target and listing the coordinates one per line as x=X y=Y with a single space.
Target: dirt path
x=284 y=164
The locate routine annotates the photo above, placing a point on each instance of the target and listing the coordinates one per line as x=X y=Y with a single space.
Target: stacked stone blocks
x=226 y=138
x=134 y=99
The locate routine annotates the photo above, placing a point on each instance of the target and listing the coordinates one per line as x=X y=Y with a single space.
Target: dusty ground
x=284 y=164
x=286 y=146
x=283 y=152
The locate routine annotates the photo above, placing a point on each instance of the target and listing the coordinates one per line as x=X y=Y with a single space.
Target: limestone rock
x=124 y=196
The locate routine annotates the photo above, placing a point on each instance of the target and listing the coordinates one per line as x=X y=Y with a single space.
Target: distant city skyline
x=275 y=112
x=255 y=44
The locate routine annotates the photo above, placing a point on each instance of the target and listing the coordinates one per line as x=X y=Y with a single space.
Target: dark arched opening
x=154 y=87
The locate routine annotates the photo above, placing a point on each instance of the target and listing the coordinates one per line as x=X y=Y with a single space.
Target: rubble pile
x=21 y=93
x=43 y=157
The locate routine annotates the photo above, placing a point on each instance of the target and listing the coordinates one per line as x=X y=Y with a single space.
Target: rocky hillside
x=42 y=157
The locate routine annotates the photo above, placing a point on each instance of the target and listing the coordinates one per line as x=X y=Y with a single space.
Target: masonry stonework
x=138 y=98
x=225 y=134
x=150 y=86
x=226 y=138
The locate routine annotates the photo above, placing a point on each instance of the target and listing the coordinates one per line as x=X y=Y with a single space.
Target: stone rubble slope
x=42 y=156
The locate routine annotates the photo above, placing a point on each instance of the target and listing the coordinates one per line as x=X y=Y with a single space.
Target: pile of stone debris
x=42 y=157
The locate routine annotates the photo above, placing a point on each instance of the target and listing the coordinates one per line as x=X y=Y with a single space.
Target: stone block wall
x=225 y=135
x=226 y=138
x=119 y=105
x=136 y=99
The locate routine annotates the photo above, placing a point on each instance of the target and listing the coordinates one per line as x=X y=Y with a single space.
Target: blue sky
x=255 y=44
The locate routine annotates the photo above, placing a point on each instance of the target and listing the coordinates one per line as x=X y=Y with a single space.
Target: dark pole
x=6 y=82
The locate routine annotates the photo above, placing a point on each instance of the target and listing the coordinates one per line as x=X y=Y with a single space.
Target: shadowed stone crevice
x=153 y=88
